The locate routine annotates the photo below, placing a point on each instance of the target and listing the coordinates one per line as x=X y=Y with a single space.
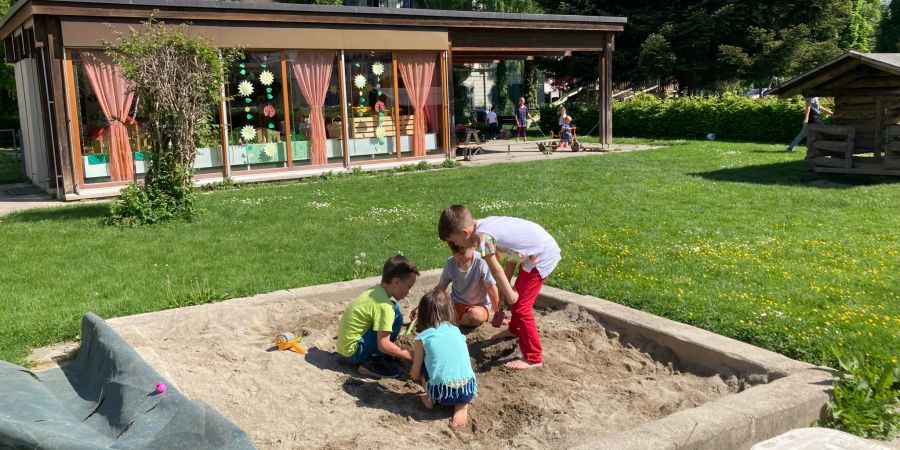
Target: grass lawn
x=730 y=237
x=9 y=166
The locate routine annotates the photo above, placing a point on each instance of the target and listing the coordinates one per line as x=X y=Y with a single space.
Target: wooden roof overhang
x=470 y=36
x=853 y=73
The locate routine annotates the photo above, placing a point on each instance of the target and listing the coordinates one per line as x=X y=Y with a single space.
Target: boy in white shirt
x=524 y=243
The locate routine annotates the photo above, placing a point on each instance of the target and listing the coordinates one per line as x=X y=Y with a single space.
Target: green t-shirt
x=373 y=310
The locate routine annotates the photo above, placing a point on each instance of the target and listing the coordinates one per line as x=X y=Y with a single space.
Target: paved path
x=10 y=203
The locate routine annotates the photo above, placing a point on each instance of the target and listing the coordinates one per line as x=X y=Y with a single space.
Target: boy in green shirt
x=372 y=322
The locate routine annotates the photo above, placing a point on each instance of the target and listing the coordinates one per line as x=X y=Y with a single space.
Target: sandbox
x=613 y=378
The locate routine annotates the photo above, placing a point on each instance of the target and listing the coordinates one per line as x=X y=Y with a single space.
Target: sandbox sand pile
x=591 y=383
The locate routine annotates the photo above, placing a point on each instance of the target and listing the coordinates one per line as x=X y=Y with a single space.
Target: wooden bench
x=364 y=127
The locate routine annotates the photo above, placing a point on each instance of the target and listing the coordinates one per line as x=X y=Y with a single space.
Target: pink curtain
x=417 y=70
x=111 y=89
x=313 y=73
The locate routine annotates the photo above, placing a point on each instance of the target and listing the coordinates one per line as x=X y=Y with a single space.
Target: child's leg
x=460 y=415
x=426 y=397
x=522 y=324
x=365 y=348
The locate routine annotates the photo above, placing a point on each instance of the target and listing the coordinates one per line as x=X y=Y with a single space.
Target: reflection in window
x=256 y=113
x=370 y=98
x=315 y=94
x=108 y=145
x=420 y=103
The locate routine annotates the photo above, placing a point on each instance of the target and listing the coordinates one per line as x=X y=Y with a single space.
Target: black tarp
x=105 y=398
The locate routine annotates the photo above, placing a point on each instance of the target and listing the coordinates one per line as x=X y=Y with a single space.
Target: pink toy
x=498 y=318
x=161 y=387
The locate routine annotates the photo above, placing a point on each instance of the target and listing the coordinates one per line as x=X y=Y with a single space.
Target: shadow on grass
x=792 y=173
x=69 y=212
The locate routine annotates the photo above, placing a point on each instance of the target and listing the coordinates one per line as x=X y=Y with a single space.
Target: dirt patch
x=591 y=385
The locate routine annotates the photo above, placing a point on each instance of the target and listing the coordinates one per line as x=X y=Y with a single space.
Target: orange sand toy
x=287 y=340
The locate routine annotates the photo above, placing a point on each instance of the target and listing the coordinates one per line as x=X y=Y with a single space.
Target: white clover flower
x=362 y=254
x=378 y=68
x=359 y=81
x=248 y=133
x=266 y=78
x=245 y=88
x=358 y=262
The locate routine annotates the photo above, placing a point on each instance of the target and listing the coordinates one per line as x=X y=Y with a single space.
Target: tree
x=859 y=34
x=177 y=79
x=504 y=105
x=889 y=29
x=717 y=43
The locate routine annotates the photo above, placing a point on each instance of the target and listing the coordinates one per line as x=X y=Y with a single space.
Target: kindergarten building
x=320 y=87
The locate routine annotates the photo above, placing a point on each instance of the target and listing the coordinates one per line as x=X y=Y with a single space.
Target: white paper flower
x=271 y=150
x=380 y=132
x=248 y=133
x=359 y=81
x=266 y=78
x=378 y=68
x=245 y=88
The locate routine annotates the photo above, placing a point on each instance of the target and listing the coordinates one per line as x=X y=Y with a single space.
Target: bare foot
x=460 y=415
x=521 y=364
x=427 y=401
x=505 y=334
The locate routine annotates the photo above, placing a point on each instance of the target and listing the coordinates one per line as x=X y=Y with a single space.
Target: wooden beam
x=285 y=98
x=307 y=17
x=345 y=123
x=849 y=92
x=396 y=107
x=74 y=127
x=604 y=92
x=818 y=78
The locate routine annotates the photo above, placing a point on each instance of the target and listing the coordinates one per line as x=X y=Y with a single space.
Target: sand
x=591 y=384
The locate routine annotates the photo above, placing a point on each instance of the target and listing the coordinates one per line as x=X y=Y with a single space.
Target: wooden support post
x=345 y=117
x=287 y=112
x=396 y=107
x=74 y=129
x=604 y=91
x=879 y=127
x=49 y=56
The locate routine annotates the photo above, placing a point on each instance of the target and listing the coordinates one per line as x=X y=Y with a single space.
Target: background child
x=566 y=135
x=523 y=242
x=473 y=289
x=372 y=322
x=441 y=358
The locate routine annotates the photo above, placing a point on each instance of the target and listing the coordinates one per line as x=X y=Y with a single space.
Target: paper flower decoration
x=247 y=109
x=378 y=68
x=269 y=111
x=379 y=106
x=248 y=133
x=271 y=150
x=245 y=88
x=380 y=132
x=359 y=81
x=266 y=78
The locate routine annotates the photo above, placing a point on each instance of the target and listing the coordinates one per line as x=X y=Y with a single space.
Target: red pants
x=522 y=325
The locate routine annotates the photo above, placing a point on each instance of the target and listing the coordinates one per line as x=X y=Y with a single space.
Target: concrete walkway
x=13 y=203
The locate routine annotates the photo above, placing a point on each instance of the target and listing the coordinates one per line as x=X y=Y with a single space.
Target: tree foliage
x=177 y=81
x=889 y=29
x=716 y=44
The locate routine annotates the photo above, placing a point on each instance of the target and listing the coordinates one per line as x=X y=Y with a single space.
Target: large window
x=370 y=98
x=110 y=145
x=256 y=125
x=420 y=103
x=315 y=99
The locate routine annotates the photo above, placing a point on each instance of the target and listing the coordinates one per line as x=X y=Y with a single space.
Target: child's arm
x=415 y=373
x=503 y=285
x=389 y=348
x=494 y=295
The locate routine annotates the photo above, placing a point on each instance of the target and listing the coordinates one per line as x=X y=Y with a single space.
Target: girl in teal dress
x=441 y=358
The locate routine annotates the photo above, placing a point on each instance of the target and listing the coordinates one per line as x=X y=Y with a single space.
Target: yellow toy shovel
x=287 y=340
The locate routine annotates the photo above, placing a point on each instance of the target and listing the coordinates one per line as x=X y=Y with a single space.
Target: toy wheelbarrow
x=287 y=340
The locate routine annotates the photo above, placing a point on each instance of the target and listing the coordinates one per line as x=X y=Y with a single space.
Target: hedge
x=730 y=117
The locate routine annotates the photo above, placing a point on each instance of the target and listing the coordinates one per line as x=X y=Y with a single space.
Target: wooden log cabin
x=864 y=136
x=385 y=73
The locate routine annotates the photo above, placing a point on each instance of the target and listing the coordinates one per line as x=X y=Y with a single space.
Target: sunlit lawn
x=734 y=238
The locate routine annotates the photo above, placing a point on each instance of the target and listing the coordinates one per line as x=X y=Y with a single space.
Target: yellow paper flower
x=378 y=68
x=359 y=81
x=266 y=78
x=245 y=88
x=271 y=150
x=248 y=133
x=380 y=132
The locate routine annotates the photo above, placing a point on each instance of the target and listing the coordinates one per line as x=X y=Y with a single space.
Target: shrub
x=866 y=396
x=146 y=205
x=729 y=116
